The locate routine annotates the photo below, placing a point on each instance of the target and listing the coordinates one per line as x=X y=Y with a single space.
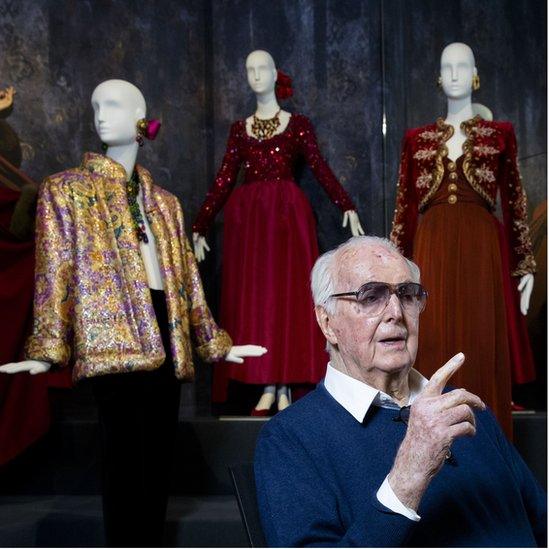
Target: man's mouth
x=395 y=342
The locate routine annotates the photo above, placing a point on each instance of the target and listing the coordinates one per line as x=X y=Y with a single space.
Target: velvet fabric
x=269 y=252
x=460 y=248
x=269 y=248
x=24 y=403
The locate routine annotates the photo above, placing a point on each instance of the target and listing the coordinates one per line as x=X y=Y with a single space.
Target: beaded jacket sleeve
x=269 y=160
x=489 y=164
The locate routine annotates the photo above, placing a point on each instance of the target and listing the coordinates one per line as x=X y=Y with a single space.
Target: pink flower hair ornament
x=147 y=129
x=283 y=86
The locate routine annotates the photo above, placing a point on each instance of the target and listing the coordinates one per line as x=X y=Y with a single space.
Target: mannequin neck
x=459 y=110
x=124 y=155
x=267 y=105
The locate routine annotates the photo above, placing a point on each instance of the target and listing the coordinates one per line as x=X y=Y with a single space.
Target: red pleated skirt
x=269 y=248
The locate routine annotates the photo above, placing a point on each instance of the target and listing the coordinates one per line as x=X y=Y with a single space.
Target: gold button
x=453 y=176
x=451 y=166
x=452 y=188
x=452 y=199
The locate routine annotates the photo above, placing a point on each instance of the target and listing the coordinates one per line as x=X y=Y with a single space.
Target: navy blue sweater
x=318 y=470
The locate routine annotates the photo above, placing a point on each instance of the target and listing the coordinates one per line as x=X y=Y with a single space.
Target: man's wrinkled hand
x=436 y=420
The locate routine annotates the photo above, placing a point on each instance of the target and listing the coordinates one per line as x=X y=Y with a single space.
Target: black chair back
x=244 y=488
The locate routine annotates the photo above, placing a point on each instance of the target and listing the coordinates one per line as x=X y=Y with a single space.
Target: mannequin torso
x=118 y=106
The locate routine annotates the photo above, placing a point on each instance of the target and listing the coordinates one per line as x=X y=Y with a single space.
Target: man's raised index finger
x=439 y=379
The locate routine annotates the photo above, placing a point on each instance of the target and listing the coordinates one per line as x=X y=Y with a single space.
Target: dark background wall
x=352 y=61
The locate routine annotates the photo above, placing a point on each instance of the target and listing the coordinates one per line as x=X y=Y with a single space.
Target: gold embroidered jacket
x=489 y=164
x=92 y=298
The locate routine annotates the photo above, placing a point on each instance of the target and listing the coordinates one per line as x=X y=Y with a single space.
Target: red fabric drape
x=24 y=405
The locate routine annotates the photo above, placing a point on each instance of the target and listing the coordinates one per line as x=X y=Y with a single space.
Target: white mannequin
x=483 y=111
x=118 y=105
x=262 y=75
x=457 y=68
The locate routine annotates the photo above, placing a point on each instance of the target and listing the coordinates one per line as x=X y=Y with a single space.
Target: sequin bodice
x=271 y=159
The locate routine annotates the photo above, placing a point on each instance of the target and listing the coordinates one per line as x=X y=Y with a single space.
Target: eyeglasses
x=374 y=297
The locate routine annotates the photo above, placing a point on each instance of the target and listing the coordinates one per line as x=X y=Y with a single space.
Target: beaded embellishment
x=265 y=128
x=132 y=190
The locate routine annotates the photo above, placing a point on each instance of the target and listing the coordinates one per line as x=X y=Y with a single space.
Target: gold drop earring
x=476 y=82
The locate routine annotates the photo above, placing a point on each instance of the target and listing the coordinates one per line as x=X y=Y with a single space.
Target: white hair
x=322 y=275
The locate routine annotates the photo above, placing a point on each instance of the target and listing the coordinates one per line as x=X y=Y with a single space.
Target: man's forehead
x=371 y=262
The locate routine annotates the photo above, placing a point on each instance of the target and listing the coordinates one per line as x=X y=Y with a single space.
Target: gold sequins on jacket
x=92 y=299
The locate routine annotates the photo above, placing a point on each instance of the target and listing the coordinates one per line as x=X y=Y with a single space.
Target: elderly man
x=377 y=455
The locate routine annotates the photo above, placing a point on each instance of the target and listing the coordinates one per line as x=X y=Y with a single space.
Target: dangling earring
x=439 y=82
x=476 y=82
x=141 y=129
x=104 y=147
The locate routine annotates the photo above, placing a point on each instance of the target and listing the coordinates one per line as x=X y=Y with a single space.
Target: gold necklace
x=265 y=128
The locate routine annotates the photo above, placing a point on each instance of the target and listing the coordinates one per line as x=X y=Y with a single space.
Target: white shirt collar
x=357 y=397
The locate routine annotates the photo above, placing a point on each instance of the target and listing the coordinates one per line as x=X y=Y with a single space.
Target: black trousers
x=138 y=414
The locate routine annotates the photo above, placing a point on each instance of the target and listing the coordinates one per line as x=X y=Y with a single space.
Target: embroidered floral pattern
x=489 y=164
x=425 y=154
x=430 y=135
x=485 y=174
x=482 y=131
x=485 y=150
x=424 y=179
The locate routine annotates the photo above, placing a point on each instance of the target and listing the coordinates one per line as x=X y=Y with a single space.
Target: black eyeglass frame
x=393 y=289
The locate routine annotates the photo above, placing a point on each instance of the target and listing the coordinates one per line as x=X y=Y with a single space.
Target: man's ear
x=323 y=319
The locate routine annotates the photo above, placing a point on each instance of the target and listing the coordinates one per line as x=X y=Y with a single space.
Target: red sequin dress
x=269 y=248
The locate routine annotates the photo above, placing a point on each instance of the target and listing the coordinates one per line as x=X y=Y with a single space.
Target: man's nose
x=393 y=311
x=454 y=74
x=256 y=75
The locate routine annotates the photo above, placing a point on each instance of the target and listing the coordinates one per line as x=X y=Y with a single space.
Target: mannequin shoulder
x=66 y=179
x=503 y=126
x=495 y=131
x=239 y=126
x=422 y=132
x=299 y=119
x=166 y=197
x=419 y=138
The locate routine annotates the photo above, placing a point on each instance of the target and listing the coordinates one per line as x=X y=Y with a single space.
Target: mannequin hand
x=525 y=288
x=32 y=366
x=238 y=352
x=351 y=217
x=200 y=246
x=6 y=97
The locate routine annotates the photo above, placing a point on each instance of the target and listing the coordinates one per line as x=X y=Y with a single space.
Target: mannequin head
x=117 y=105
x=457 y=67
x=261 y=71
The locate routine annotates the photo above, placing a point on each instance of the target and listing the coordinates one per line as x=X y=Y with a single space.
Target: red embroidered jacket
x=489 y=164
